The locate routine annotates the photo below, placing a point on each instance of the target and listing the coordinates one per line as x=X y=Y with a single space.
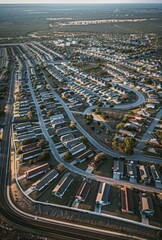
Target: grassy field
x=105 y=169
x=114 y=207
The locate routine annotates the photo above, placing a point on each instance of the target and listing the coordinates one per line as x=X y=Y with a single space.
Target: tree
x=60 y=167
x=102 y=126
x=129 y=144
x=42 y=143
x=83 y=139
x=125 y=119
x=42 y=106
x=44 y=156
x=30 y=114
x=49 y=113
x=67 y=156
x=19 y=151
x=89 y=117
x=100 y=157
x=120 y=125
x=72 y=125
x=107 y=131
x=30 y=161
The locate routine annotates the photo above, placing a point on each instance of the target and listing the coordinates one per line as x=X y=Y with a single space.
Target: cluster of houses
x=155 y=143
x=87 y=86
x=127 y=203
x=65 y=133
x=4 y=64
x=23 y=105
x=92 y=89
x=66 y=42
x=138 y=173
x=134 y=124
x=24 y=131
x=127 y=70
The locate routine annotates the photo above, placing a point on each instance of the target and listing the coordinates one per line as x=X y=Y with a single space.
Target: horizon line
x=26 y=3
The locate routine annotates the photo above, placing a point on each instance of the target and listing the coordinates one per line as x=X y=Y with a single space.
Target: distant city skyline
x=77 y=1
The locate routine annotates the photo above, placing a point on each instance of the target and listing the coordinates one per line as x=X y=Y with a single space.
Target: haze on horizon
x=77 y=1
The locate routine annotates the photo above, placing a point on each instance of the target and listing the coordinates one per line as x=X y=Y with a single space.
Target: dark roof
x=29 y=147
x=60 y=124
x=63 y=184
x=45 y=180
x=131 y=169
x=126 y=200
x=72 y=142
x=23 y=125
x=77 y=147
x=38 y=169
x=83 y=190
x=118 y=166
x=103 y=193
x=85 y=155
x=130 y=200
x=106 y=193
x=63 y=130
x=122 y=197
x=31 y=154
x=67 y=137
x=26 y=136
x=24 y=130
x=155 y=172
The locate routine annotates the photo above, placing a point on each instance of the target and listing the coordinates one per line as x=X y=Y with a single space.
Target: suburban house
x=59 y=124
x=132 y=172
x=28 y=147
x=154 y=142
x=83 y=190
x=37 y=170
x=71 y=143
x=45 y=180
x=156 y=176
x=56 y=117
x=147 y=207
x=144 y=174
x=118 y=169
x=126 y=200
x=63 y=185
x=85 y=155
x=23 y=125
x=77 y=148
x=24 y=137
x=28 y=155
x=63 y=130
x=67 y=137
x=127 y=133
x=103 y=194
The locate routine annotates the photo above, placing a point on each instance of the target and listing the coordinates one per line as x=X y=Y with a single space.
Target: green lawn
x=105 y=169
x=114 y=207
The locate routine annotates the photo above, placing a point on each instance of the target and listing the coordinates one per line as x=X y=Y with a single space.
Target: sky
x=78 y=1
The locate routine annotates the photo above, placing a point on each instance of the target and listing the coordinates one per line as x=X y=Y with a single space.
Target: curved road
x=24 y=220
